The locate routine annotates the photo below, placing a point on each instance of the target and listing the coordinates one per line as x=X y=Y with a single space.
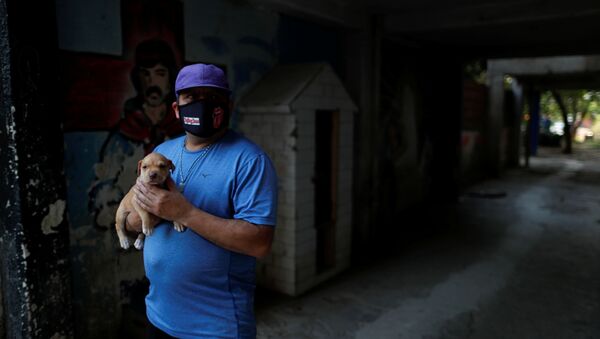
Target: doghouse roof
x=283 y=86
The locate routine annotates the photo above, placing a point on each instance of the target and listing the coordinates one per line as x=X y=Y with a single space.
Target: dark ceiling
x=486 y=28
x=569 y=34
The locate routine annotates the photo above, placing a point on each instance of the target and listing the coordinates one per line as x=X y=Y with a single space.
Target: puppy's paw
x=147 y=230
x=178 y=227
x=125 y=243
x=139 y=244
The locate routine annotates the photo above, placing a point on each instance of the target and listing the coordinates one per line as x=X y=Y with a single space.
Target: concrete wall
x=472 y=132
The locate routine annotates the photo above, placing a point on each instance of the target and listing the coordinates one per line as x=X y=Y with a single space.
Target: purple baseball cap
x=201 y=75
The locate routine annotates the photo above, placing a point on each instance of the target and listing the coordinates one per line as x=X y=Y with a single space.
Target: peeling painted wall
x=99 y=267
x=33 y=227
x=56 y=212
x=5 y=109
x=2 y=330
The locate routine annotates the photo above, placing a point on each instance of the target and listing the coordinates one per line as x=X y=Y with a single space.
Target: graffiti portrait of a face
x=155 y=84
x=154 y=71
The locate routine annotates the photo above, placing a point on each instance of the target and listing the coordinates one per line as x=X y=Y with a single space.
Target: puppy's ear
x=171 y=166
x=139 y=171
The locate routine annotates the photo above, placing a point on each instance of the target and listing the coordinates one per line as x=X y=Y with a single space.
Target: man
x=225 y=192
x=148 y=119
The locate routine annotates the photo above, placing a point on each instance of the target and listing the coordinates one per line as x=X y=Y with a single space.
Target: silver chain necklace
x=183 y=178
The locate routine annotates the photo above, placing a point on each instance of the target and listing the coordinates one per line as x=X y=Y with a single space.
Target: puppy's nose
x=153 y=175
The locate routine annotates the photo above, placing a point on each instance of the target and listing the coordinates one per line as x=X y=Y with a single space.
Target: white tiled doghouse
x=302 y=116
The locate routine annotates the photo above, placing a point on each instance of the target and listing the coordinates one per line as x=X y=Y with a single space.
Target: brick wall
x=275 y=134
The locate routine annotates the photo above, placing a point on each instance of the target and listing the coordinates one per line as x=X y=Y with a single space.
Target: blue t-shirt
x=199 y=289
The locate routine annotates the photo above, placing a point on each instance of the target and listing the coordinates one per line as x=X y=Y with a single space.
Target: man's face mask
x=204 y=118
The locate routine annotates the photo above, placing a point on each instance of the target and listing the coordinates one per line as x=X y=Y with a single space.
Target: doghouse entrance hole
x=325 y=180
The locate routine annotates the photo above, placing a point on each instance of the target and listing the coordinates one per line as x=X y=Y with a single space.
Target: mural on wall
x=116 y=110
x=129 y=97
x=147 y=119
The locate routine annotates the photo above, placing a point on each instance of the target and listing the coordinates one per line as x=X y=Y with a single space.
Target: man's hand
x=167 y=204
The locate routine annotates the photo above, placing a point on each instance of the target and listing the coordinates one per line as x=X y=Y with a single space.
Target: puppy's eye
x=145 y=166
x=162 y=165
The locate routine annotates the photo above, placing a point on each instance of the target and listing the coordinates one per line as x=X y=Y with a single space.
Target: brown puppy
x=154 y=169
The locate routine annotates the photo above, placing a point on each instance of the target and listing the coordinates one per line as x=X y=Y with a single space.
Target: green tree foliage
x=571 y=107
x=579 y=104
x=476 y=71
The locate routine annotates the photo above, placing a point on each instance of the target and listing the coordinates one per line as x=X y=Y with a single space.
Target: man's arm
x=232 y=234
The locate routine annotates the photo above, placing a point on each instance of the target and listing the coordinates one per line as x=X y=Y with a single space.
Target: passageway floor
x=523 y=265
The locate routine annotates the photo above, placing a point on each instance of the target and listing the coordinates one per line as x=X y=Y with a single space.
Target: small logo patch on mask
x=191 y=121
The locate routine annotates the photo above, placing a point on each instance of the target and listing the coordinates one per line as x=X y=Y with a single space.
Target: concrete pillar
x=514 y=144
x=34 y=238
x=442 y=86
x=494 y=123
x=363 y=81
x=534 y=121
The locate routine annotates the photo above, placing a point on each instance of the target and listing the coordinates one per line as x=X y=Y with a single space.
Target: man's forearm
x=233 y=234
